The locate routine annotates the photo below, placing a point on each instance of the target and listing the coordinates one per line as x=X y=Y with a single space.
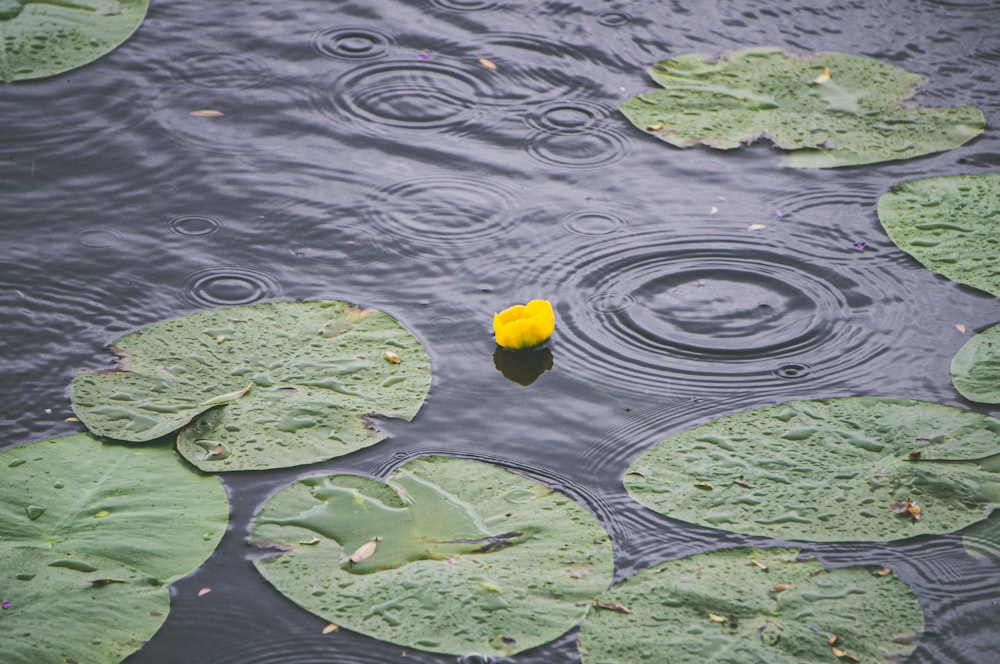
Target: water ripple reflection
x=348 y=43
x=666 y=315
x=229 y=286
x=409 y=95
x=434 y=213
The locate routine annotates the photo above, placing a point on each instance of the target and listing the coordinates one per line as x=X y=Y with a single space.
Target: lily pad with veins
x=260 y=386
x=853 y=116
x=41 y=38
x=90 y=535
x=849 y=469
x=749 y=605
x=454 y=556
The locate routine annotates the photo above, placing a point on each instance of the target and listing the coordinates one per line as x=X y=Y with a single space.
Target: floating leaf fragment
x=756 y=227
x=365 y=551
x=759 y=564
x=822 y=78
x=833 y=639
x=705 y=486
x=886 y=571
x=204 y=591
x=330 y=628
x=392 y=357
x=656 y=126
x=613 y=606
x=960 y=327
x=716 y=618
x=713 y=210
x=207 y=113
x=780 y=588
x=489 y=64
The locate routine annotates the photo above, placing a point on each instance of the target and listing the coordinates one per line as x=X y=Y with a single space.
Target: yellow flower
x=524 y=325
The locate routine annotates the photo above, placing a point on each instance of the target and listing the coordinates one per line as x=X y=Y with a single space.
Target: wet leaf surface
x=951 y=224
x=829 y=470
x=720 y=607
x=832 y=109
x=469 y=557
x=115 y=525
x=975 y=369
x=47 y=38
x=291 y=384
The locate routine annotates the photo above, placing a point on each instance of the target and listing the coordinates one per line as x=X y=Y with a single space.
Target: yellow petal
x=524 y=325
x=822 y=78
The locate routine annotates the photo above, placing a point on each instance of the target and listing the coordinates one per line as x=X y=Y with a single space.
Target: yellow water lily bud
x=524 y=325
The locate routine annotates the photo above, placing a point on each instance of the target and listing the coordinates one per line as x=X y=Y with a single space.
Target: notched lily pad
x=858 y=468
x=47 y=37
x=447 y=555
x=951 y=224
x=261 y=386
x=975 y=370
x=90 y=536
x=723 y=607
x=852 y=116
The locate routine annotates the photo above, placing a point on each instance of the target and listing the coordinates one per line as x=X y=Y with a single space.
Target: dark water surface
x=365 y=154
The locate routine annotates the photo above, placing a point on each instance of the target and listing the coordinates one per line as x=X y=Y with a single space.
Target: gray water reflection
x=364 y=152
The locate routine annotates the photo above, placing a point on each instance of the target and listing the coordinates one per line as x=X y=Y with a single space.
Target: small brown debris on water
x=489 y=64
x=207 y=113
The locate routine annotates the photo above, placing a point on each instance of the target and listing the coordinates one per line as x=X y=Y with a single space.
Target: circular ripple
x=593 y=223
x=97 y=237
x=194 y=225
x=442 y=212
x=346 y=43
x=465 y=5
x=657 y=315
x=613 y=19
x=578 y=150
x=410 y=95
x=568 y=117
x=228 y=286
x=214 y=70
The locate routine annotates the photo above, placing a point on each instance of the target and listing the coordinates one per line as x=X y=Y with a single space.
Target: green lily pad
x=951 y=224
x=854 y=117
x=90 y=534
x=828 y=470
x=260 y=386
x=724 y=607
x=449 y=556
x=975 y=370
x=47 y=37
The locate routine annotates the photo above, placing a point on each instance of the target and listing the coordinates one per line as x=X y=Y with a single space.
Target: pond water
x=365 y=153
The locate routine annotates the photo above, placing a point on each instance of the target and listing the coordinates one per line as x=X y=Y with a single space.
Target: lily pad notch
x=261 y=386
x=828 y=110
x=446 y=555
